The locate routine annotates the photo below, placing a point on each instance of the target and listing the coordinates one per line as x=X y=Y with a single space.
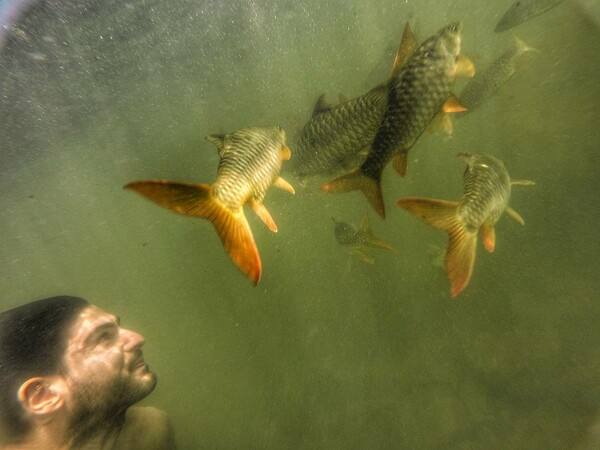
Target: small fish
x=420 y=87
x=335 y=135
x=250 y=163
x=522 y=11
x=356 y=240
x=487 y=188
x=483 y=85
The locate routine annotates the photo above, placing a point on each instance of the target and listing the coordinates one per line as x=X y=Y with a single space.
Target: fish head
x=448 y=41
x=344 y=230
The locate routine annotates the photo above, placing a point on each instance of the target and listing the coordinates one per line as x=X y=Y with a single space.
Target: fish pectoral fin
x=216 y=139
x=364 y=224
x=376 y=242
x=285 y=154
x=488 y=236
x=262 y=212
x=400 y=162
x=515 y=215
x=522 y=183
x=453 y=105
x=408 y=45
x=362 y=255
x=441 y=121
x=282 y=184
x=464 y=67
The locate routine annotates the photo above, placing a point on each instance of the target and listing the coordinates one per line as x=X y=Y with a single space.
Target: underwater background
x=327 y=351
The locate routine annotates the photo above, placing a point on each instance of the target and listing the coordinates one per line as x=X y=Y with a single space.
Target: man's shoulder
x=146 y=428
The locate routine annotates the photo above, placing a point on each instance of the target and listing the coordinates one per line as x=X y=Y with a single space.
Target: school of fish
x=362 y=136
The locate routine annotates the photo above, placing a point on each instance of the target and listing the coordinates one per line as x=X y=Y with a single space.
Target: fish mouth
x=451 y=37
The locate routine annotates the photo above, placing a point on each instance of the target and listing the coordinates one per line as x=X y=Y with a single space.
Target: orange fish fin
x=408 y=45
x=285 y=154
x=488 y=236
x=441 y=121
x=464 y=67
x=515 y=215
x=358 y=181
x=195 y=200
x=460 y=258
x=440 y=214
x=453 y=105
x=188 y=199
x=262 y=212
x=460 y=255
x=400 y=161
x=362 y=255
x=282 y=184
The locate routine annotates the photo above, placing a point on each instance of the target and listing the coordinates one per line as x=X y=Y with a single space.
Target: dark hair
x=32 y=343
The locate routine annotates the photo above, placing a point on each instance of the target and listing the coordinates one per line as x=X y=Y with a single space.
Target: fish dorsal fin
x=321 y=106
x=453 y=105
x=407 y=48
x=218 y=140
x=515 y=215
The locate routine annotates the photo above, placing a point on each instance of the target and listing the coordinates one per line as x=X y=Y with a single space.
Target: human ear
x=40 y=396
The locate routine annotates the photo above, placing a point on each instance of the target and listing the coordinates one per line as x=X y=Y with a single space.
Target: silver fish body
x=486 y=191
x=335 y=135
x=415 y=96
x=523 y=10
x=250 y=161
x=485 y=83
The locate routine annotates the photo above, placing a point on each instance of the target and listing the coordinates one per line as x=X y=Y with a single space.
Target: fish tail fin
x=462 y=244
x=358 y=181
x=195 y=200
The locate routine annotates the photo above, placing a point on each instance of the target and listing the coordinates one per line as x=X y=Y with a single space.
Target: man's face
x=104 y=367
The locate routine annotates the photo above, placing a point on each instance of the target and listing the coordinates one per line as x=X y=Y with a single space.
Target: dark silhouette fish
x=487 y=188
x=419 y=89
x=357 y=240
x=483 y=85
x=250 y=163
x=522 y=11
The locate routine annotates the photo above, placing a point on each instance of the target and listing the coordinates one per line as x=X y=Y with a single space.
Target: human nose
x=132 y=340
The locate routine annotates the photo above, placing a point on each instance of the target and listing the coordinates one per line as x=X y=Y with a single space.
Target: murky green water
x=327 y=352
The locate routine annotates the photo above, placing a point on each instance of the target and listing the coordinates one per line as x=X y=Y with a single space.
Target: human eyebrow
x=99 y=330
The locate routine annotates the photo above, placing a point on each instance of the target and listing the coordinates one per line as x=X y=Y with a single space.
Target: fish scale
x=339 y=132
x=486 y=191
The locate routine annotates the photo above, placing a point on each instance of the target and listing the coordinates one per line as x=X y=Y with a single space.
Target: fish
x=485 y=84
x=522 y=11
x=487 y=190
x=356 y=240
x=250 y=162
x=420 y=87
x=335 y=134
